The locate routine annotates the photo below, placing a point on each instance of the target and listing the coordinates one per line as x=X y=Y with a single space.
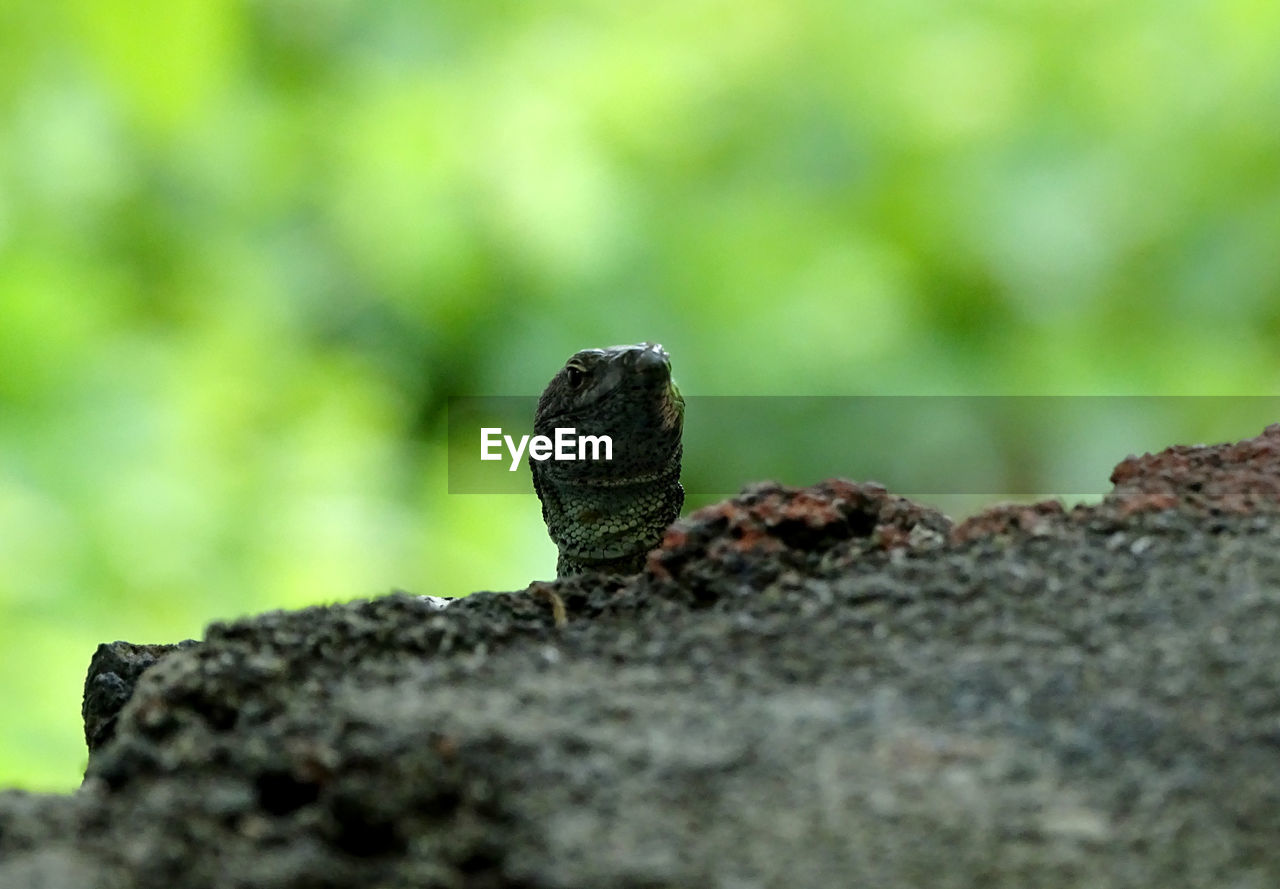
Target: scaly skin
x=607 y=515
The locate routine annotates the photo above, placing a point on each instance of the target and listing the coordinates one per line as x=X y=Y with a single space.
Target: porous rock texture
x=816 y=687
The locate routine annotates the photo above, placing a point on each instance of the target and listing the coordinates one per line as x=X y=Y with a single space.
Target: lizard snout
x=652 y=357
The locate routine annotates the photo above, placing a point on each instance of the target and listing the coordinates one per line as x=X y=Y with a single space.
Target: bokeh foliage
x=248 y=249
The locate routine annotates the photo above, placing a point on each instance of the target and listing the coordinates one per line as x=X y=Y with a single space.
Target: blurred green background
x=248 y=250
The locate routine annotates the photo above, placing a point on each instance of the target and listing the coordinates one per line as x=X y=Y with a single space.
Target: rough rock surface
x=114 y=671
x=820 y=687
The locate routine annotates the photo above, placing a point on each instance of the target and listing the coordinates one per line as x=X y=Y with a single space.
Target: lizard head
x=607 y=513
x=631 y=384
x=624 y=392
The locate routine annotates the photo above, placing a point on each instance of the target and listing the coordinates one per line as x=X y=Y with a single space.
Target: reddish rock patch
x=1035 y=519
x=771 y=518
x=1238 y=478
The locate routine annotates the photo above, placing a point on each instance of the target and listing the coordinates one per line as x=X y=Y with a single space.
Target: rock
x=1238 y=478
x=113 y=672
x=822 y=686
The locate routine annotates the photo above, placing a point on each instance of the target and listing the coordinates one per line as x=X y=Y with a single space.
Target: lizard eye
x=574 y=376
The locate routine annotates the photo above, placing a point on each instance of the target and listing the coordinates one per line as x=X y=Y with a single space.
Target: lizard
x=605 y=515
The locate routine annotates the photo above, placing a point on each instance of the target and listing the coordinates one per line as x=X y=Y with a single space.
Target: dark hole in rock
x=364 y=832
x=280 y=793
